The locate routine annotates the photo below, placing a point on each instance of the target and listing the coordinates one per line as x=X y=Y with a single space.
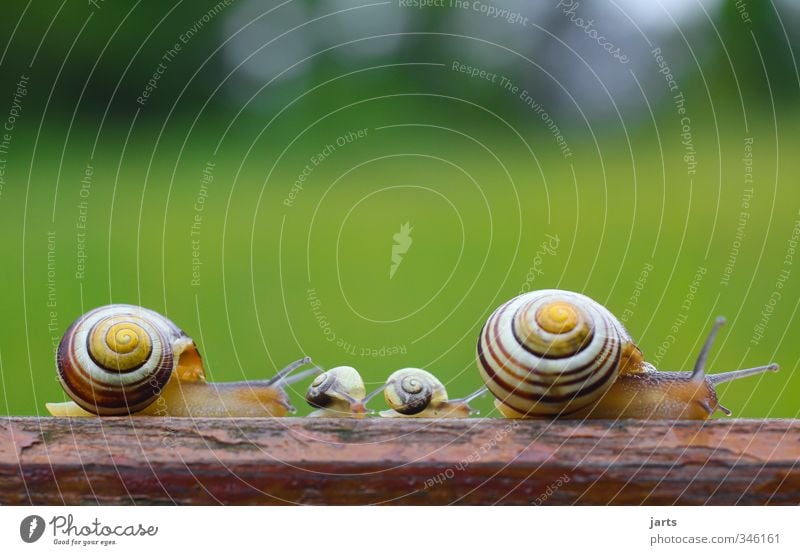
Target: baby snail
x=555 y=353
x=412 y=392
x=338 y=393
x=122 y=359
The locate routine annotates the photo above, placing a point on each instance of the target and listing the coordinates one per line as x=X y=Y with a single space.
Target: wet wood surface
x=397 y=461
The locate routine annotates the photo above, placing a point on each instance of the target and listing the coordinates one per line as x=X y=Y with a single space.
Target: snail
x=123 y=359
x=338 y=392
x=555 y=353
x=412 y=392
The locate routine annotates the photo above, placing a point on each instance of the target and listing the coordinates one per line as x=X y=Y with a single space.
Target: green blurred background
x=189 y=207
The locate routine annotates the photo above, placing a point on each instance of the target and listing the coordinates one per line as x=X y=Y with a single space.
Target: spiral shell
x=411 y=390
x=551 y=352
x=337 y=386
x=116 y=359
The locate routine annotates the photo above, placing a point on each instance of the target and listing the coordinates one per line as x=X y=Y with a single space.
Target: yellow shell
x=116 y=359
x=551 y=352
x=336 y=391
x=120 y=343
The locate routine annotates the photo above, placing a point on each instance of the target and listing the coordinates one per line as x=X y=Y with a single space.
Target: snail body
x=337 y=393
x=554 y=353
x=416 y=393
x=127 y=360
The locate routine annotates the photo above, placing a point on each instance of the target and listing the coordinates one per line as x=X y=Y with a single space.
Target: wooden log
x=397 y=461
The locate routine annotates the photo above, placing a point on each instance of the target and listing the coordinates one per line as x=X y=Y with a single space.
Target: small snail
x=122 y=359
x=338 y=392
x=555 y=353
x=412 y=392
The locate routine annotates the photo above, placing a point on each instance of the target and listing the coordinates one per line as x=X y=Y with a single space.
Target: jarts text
x=659 y=522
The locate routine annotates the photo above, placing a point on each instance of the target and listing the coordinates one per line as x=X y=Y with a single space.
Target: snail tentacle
x=700 y=366
x=283 y=374
x=472 y=396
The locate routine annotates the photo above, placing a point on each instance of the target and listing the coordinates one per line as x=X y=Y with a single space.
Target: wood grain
x=397 y=461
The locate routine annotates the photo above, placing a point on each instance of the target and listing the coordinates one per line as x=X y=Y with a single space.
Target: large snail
x=555 y=353
x=412 y=392
x=122 y=359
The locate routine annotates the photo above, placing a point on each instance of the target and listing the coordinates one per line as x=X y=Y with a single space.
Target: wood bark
x=397 y=461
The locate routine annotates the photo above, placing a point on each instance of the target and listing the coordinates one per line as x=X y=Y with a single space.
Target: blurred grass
x=480 y=209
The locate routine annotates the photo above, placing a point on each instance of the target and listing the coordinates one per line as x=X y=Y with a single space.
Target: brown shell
x=115 y=360
x=553 y=352
x=412 y=390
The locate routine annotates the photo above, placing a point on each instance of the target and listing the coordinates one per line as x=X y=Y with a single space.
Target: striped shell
x=551 y=352
x=116 y=359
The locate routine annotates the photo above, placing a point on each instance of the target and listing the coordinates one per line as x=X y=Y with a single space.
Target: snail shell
x=116 y=359
x=412 y=390
x=552 y=352
x=336 y=391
